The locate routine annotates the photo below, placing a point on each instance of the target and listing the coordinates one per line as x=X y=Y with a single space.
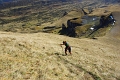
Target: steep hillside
x=39 y=56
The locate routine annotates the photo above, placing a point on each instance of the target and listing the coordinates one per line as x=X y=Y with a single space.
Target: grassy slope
x=39 y=57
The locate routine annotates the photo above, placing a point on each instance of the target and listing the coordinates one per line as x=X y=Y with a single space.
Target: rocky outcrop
x=75 y=28
x=65 y=13
x=70 y=28
x=104 y=21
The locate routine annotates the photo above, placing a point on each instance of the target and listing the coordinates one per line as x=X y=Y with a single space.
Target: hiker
x=67 y=47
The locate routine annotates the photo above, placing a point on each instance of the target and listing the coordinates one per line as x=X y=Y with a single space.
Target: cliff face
x=71 y=25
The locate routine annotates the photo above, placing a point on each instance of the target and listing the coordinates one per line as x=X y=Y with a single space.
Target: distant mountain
x=32 y=1
x=13 y=3
x=5 y=0
x=111 y=1
x=2 y=1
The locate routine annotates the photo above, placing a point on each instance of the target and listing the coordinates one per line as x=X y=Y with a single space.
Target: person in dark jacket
x=67 y=47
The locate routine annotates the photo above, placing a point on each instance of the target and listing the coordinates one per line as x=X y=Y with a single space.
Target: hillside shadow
x=59 y=54
x=80 y=68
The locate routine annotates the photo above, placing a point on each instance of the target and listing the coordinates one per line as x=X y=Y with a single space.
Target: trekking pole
x=62 y=48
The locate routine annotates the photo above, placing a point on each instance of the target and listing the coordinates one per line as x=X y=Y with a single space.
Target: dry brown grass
x=72 y=14
x=39 y=57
